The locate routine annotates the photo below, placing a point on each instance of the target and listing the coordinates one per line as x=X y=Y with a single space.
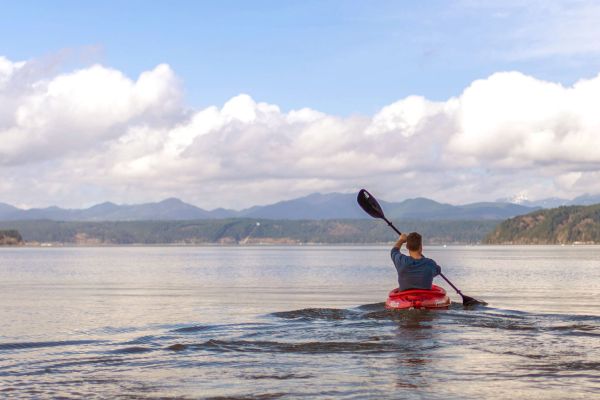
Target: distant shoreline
x=243 y=231
x=575 y=225
x=266 y=245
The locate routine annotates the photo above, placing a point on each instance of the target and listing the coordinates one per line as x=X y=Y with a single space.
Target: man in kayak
x=414 y=270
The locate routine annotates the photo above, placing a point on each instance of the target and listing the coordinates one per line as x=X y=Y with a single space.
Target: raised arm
x=401 y=241
x=396 y=249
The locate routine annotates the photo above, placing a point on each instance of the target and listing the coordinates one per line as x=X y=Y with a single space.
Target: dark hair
x=413 y=241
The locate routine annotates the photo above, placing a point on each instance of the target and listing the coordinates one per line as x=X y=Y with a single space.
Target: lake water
x=295 y=322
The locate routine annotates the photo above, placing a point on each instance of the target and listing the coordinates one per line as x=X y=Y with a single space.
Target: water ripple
x=33 y=345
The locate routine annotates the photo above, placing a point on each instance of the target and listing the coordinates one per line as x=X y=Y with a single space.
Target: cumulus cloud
x=49 y=118
x=513 y=120
x=95 y=134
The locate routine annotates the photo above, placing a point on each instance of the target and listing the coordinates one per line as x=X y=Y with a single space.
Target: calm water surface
x=294 y=322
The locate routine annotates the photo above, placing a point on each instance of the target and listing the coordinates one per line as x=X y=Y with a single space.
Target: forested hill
x=10 y=237
x=244 y=231
x=562 y=225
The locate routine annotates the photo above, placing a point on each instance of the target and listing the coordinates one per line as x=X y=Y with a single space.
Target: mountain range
x=312 y=207
x=553 y=202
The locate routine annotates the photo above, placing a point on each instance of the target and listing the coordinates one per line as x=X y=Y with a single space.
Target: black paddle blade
x=369 y=204
x=469 y=301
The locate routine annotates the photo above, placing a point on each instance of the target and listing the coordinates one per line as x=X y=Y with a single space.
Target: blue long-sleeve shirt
x=414 y=273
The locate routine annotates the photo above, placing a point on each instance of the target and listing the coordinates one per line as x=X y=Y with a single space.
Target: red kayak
x=418 y=298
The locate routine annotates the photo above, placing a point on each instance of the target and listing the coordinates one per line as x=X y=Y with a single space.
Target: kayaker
x=414 y=271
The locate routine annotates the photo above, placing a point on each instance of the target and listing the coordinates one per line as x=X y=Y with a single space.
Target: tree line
x=245 y=231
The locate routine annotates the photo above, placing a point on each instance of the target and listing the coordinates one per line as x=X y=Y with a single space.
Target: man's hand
x=401 y=240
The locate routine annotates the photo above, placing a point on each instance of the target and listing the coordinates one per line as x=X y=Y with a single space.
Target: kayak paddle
x=370 y=205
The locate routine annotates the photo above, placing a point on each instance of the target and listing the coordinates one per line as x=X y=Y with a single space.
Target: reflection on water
x=294 y=322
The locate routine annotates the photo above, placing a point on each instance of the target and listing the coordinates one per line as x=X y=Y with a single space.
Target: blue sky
x=340 y=57
x=238 y=103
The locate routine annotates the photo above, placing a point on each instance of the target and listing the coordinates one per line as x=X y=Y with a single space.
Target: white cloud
x=512 y=120
x=7 y=69
x=95 y=134
x=407 y=116
x=79 y=110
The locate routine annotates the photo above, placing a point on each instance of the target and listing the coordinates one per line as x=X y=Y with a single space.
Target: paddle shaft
x=442 y=275
x=391 y=226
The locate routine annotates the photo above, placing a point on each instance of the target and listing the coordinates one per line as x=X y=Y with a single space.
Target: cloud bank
x=95 y=134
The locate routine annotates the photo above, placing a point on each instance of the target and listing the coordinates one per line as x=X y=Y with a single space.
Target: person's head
x=414 y=242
